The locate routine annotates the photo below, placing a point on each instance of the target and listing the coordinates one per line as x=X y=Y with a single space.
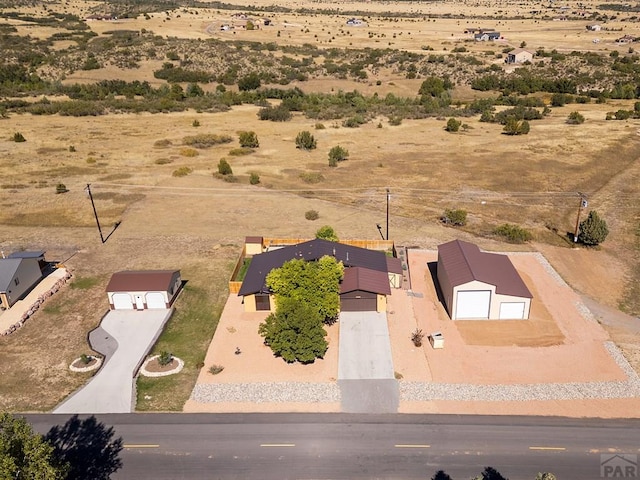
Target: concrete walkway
x=365 y=366
x=124 y=337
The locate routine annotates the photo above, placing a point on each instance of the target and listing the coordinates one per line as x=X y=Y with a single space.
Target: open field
x=197 y=222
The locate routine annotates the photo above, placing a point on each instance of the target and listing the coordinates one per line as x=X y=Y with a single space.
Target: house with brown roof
x=143 y=289
x=477 y=285
x=366 y=282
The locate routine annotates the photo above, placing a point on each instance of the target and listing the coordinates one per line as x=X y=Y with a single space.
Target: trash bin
x=437 y=340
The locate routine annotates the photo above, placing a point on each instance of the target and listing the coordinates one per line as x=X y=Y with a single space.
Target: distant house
x=519 y=55
x=18 y=275
x=626 y=39
x=266 y=22
x=355 y=22
x=594 y=27
x=486 y=36
x=143 y=289
x=477 y=285
x=366 y=283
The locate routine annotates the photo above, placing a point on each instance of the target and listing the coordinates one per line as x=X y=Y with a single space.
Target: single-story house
x=486 y=36
x=143 y=289
x=18 y=275
x=478 y=285
x=359 y=289
x=595 y=27
x=519 y=55
x=38 y=255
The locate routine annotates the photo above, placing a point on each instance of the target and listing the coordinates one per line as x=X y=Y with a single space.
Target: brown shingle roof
x=394 y=265
x=359 y=278
x=142 y=280
x=464 y=262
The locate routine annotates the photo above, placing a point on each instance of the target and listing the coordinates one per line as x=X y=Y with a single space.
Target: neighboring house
x=358 y=288
x=18 y=275
x=594 y=27
x=143 y=289
x=355 y=22
x=486 y=36
x=626 y=39
x=477 y=285
x=519 y=55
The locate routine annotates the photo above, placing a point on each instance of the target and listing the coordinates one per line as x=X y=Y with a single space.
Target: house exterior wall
x=495 y=301
x=445 y=286
x=142 y=293
x=474 y=285
x=395 y=280
x=25 y=277
x=382 y=303
x=250 y=303
x=253 y=249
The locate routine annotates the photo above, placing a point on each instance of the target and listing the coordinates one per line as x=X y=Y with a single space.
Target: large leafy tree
x=593 y=230
x=25 y=454
x=327 y=232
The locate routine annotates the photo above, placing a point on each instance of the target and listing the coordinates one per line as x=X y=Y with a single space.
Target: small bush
x=354 y=122
x=575 y=118
x=215 y=369
x=163 y=143
x=18 y=137
x=162 y=161
x=249 y=82
x=513 y=233
x=239 y=152
x=320 y=126
x=85 y=359
x=182 y=172
x=337 y=154
x=327 y=232
x=165 y=358
x=311 y=215
x=195 y=123
x=230 y=178
x=311 y=177
x=61 y=188
x=453 y=125
x=189 y=152
x=416 y=337
x=72 y=149
x=305 y=141
x=248 y=139
x=395 y=121
x=91 y=160
x=254 y=178
x=456 y=217
x=224 y=168
x=206 y=140
x=275 y=114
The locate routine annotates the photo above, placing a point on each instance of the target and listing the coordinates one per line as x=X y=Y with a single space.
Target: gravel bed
x=585 y=312
x=283 y=392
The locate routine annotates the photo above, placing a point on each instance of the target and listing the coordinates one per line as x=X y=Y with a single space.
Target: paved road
x=342 y=446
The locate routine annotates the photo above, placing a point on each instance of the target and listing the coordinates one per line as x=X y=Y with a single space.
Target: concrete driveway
x=124 y=337
x=365 y=366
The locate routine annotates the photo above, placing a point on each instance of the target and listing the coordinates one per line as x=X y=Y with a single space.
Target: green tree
x=337 y=154
x=453 y=125
x=295 y=332
x=513 y=126
x=224 y=168
x=457 y=217
x=249 y=82
x=25 y=454
x=305 y=140
x=575 y=118
x=593 y=229
x=194 y=90
x=248 y=139
x=327 y=232
x=434 y=86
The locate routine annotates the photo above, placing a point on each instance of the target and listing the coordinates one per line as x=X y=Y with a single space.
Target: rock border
x=90 y=368
x=146 y=373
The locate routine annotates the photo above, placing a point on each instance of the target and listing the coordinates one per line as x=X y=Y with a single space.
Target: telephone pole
x=95 y=213
x=583 y=204
x=388 y=199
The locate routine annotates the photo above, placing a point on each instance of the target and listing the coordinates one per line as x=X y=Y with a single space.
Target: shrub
x=248 y=139
x=254 y=178
x=18 y=137
x=162 y=161
x=513 y=233
x=206 y=140
x=249 y=82
x=72 y=149
x=182 y=172
x=165 y=358
x=453 y=125
x=224 y=168
x=85 y=359
x=575 y=118
x=275 y=114
x=61 y=188
x=593 y=230
x=354 y=122
x=311 y=215
x=230 y=178
x=165 y=142
x=195 y=123
x=239 y=152
x=395 y=120
x=416 y=337
x=311 y=177
x=512 y=126
x=327 y=232
x=189 y=152
x=215 y=369
x=457 y=217
x=305 y=140
x=337 y=154
x=320 y=126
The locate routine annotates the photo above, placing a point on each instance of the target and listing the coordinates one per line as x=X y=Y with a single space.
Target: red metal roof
x=365 y=279
x=142 y=280
x=394 y=265
x=464 y=263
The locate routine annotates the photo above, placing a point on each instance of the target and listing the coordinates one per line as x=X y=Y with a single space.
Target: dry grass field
x=197 y=222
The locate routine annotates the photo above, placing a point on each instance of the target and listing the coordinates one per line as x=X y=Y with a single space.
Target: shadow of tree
x=88 y=447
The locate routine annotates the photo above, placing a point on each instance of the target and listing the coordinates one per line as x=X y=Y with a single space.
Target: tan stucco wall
x=249 y=303
x=253 y=248
x=495 y=300
x=382 y=303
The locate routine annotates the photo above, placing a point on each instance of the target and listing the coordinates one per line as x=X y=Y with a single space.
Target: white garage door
x=122 y=301
x=473 y=304
x=512 y=310
x=155 y=300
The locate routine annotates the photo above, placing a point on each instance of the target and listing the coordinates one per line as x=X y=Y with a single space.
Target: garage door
x=155 y=300
x=358 y=304
x=473 y=304
x=122 y=301
x=512 y=310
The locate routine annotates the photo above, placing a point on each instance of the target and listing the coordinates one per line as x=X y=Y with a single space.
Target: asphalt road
x=341 y=446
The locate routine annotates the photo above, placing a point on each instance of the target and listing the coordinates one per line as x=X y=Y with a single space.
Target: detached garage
x=364 y=290
x=143 y=289
x=477 y=285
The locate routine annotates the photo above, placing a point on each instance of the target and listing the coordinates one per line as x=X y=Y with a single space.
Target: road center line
x=277 y=444
x=412 y=446
x=547 y=448
x=141 y=446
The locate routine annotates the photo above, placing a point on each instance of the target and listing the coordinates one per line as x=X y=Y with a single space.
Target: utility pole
x=388 y=199
x=95 y=213
x=583 y=204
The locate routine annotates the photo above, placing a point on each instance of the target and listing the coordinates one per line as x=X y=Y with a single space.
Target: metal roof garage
x=364 y=290
x=143 y=289
x=478 y=285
